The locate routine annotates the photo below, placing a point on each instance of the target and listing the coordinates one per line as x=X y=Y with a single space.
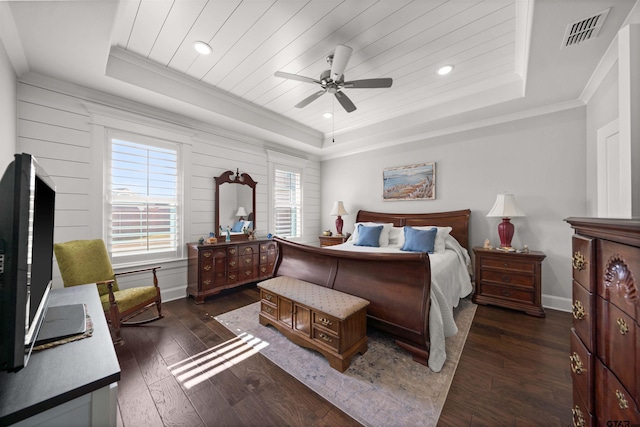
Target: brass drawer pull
x=232 y=277
x=325 y=322
x=506 y=278
x=263 y=257
x=578 y=261
x=232 y=251
x=263 y=247
x=622 y=325
x=506 y=292
x=206 y=268
x=578 y=310
x=506 y=265
x=268 y=297
x=248 y=261
x=576 y=364
x=263 y=269
x=247 y=250
x=206 y=254
x=622 y=401
x=268 y=309
x=247 y=272
x=578 y=418
x=206 y=282
x=232 y=263
x=325 y=337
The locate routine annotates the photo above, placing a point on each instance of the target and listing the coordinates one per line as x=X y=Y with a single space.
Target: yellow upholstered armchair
x=87 y=261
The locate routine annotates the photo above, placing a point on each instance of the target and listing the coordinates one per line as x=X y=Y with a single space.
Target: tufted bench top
x=329 y=301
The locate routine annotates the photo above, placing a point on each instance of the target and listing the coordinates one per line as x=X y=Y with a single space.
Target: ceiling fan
x=332 y=80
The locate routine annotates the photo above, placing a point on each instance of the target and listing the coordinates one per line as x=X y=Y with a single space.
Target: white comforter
x=450 y=281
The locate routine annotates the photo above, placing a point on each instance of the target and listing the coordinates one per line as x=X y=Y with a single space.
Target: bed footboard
x=396 y=285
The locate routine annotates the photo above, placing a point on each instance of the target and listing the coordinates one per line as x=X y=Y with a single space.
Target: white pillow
x=441 y=235
x=394 y=235
x=384 y=234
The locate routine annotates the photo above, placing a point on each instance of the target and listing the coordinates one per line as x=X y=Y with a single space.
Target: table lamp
x=241 y=213
x=338 y=209
x=505 y=208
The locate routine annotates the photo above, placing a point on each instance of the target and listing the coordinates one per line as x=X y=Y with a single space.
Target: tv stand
x=73 y=383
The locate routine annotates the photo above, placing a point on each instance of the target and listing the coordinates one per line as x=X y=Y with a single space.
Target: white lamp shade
x=338 y=209
x=241 y=212
x=505 y=207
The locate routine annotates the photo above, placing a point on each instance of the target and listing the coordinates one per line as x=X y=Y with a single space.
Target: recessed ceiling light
x=445 y=70
x=202 y=48
x=327 y=115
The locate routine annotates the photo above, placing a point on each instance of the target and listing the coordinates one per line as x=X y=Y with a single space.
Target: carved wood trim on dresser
x=605 y=337
x=224 y=265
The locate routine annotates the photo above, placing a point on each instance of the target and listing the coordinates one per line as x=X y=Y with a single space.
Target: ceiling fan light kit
x=332 y=80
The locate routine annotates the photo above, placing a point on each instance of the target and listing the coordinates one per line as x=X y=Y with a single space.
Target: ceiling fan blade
x=308 y=100
x=345 y=102
x=290 y=76
x=340 y=58
x=369 y=83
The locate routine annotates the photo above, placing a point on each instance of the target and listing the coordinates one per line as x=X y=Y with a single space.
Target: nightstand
x=332 y=240
x=509 y=279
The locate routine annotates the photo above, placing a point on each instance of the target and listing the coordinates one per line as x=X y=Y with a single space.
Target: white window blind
x=144 y=221
x=287 y=203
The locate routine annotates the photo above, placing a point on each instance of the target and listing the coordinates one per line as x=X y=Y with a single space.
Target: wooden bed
x=397 y=285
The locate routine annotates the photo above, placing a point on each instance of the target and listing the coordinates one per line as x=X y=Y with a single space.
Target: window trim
x=105 y=118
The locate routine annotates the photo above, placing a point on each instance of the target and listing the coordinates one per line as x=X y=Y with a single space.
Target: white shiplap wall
x=55 y=126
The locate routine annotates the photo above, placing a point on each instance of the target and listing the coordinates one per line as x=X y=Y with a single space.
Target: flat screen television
x=27 y=195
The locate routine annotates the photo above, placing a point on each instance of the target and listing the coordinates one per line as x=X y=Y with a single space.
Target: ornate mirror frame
x=241 y=179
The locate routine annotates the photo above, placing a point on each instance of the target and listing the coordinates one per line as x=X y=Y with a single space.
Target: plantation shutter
x=144 y=200
x=287 y=203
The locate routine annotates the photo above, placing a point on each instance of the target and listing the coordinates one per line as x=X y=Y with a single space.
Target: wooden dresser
x=224 y=265
x=605 y=337
x=509 y=279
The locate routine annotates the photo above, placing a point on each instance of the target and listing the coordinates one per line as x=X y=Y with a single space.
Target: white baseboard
x=176 y=292
x=556 y=303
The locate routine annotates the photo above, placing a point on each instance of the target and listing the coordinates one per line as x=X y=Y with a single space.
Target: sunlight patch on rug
x=383 y=387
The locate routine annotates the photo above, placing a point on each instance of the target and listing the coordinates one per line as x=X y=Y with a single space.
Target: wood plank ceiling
x=402 y=39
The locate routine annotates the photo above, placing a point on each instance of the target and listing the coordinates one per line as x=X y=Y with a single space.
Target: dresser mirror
x=234 y=191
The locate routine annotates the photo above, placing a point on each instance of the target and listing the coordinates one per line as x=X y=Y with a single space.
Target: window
x=143 y=210
x=287 y=192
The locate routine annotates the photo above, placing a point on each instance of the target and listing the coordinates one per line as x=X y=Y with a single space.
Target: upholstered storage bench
x=331 y=322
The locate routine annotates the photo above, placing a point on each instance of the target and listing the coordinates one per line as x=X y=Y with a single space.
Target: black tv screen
x=26 y=257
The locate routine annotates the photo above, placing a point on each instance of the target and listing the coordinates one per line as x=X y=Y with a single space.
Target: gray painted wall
x=539 y=159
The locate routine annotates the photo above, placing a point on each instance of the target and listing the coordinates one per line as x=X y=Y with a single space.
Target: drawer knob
x=207 y=267
x=578 y=310
x=325 y=337
x=578 y=418
x=622 y=401
x=325 y=322
x=264 y=258
x=622 y=326
x=576 y=363
x=578 y=261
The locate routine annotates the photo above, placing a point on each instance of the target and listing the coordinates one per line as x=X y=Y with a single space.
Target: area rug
x=383 y=387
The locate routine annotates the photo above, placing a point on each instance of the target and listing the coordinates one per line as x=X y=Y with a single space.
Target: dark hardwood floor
x=514 y=371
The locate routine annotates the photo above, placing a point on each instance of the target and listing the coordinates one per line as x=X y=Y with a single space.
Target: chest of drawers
x=212 y=268
x=509 y=279
x=605 y=336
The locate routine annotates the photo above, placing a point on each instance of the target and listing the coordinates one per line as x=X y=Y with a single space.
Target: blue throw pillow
x=419 y=240
x=368 y=235
x=237 y=226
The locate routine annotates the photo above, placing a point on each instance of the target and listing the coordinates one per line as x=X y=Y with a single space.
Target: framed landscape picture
x=413 y=182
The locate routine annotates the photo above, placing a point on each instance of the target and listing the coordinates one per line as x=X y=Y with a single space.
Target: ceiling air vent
x=584 y=29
